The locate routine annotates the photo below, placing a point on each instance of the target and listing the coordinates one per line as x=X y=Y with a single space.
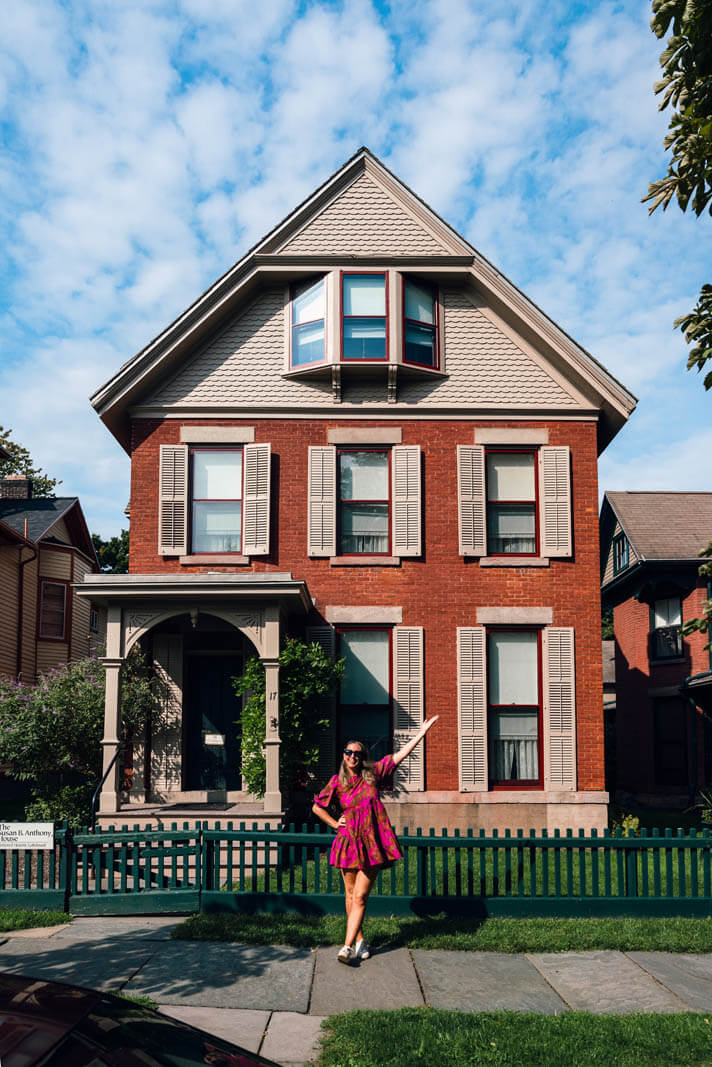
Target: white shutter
x=472 y=707
x=406 y=500
x=256 y=501
x=472 y=504
x=555 y=490
x=321 y=540
x=327 y=763
x=408 y=702
x=173 y=501
x=559 y=707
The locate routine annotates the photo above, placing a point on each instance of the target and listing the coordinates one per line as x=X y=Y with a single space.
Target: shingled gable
x=387 y=223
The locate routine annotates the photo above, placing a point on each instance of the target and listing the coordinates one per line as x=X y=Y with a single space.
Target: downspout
x=21 y=604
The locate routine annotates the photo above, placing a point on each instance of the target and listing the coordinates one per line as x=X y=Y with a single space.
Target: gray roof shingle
x=41 y=513
x=665 y=525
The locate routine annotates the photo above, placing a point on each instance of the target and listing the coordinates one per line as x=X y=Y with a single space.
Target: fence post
x=66 y=858
x=631 y=887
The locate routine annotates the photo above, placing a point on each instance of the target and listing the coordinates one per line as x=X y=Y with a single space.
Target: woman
x=365 y=842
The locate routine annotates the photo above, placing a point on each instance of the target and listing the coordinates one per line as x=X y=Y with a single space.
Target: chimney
x=16 y=487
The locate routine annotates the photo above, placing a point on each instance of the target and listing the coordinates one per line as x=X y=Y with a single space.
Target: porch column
x=273 y=794
x=113 y=661
x=270 y=658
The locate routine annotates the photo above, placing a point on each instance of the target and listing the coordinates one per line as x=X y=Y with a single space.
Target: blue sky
x=149 y=144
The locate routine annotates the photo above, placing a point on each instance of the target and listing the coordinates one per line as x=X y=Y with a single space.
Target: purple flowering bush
x=50 y=732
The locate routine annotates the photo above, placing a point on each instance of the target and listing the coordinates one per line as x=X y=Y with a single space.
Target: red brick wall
x=636 y=676
x=439 y=591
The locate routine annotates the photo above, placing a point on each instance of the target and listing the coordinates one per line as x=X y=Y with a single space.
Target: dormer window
x=620 y=553
x=308 y=302
x=420 y=324
x=364 y=317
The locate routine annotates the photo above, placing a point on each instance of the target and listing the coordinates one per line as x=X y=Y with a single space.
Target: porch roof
x=125 y=589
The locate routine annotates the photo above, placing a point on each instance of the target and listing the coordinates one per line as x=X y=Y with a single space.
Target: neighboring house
x=363 y=432
x=650 y=545
x=44 y=547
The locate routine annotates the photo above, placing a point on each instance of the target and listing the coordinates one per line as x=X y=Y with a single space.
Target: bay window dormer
x=364 y=321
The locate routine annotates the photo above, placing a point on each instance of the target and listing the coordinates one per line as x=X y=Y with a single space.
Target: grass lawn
x=424 y=1036
x=27 y=918
x=441 y=932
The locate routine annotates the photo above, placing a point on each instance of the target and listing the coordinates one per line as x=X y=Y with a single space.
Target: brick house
x=365 y=433
x=45 y=547
x=650 y=545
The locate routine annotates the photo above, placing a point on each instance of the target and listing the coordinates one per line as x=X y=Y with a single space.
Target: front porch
x=197 y=631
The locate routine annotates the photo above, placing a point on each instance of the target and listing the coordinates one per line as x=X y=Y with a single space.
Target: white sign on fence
x=26 y=835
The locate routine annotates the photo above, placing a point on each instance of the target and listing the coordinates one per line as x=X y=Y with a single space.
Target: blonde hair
x=366 y=765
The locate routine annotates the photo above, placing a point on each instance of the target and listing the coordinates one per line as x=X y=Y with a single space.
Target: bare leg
x=363 y=884
x=349 y=878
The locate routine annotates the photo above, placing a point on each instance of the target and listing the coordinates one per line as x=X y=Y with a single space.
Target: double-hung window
x=514 y=707
x=53 y=610
x=307 y=327
x=511 y=503
x=666 y=628
x=420 y=324
x=364 y=501
x=620 y=553
x=216 y=500
x=364 y=327
x=365 y=696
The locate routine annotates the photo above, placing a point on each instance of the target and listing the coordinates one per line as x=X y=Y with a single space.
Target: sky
x=148 y=145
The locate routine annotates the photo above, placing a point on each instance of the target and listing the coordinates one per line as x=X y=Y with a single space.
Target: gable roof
x=664 y=525
x=42 y=513
x=316 y=226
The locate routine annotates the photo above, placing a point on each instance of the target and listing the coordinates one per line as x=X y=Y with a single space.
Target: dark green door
x=212 y=750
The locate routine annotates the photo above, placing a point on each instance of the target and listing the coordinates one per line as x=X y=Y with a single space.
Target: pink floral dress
x=368 y=839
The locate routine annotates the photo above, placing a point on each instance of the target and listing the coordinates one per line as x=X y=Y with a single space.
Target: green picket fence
x=186 y=868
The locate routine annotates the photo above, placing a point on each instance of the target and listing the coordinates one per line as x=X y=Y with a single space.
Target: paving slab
x=241 y=1026
x=687 y=976
x=35 y=932
x=484 y=981
x=386 y=980
x=605 y=983
x=292 y=1039
x=269 y=978
x=91 y=928
x=99 y=965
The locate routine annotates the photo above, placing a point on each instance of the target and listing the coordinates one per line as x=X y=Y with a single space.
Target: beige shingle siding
x=244 y=366
x=9 y=579
x=632 y=558
x=365 y=221
x=55 y=564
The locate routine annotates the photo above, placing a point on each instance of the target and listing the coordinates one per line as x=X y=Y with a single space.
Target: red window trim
x=360 y=274
x=66 y=628
x=435 y=325
x=192 y=449
x=494 y=450
x=530 y=783
x=380 y=628
x=357 y=448
x=293 y=286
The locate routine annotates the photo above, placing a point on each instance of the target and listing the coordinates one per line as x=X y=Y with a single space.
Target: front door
x=212 y=749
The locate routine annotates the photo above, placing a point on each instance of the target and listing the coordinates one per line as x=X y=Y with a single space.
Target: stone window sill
x=227 y=560
x=514 y=561
x=364 y=561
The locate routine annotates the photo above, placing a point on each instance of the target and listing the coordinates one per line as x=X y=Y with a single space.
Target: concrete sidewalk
x=272 y=999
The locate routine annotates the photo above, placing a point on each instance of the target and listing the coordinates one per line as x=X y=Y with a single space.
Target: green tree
x=113 y=555
x=20 y=462
x=306 y=675
x=686 y=86
x=50 y=732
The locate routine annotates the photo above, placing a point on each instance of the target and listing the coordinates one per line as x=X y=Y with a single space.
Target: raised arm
x=398 y=757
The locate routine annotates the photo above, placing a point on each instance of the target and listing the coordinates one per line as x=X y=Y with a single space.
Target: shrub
x=306 y=675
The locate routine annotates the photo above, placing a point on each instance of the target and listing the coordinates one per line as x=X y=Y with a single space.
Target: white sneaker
x=363 y=950
x=347 y=955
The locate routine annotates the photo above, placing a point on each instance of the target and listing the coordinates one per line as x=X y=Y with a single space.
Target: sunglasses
x=353 y=752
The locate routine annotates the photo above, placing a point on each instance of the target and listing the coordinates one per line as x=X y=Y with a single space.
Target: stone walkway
x=272 y=999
